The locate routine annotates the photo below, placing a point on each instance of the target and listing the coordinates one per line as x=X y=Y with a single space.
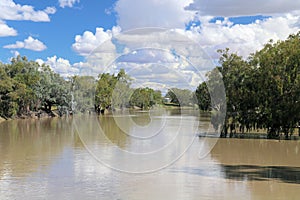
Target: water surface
x=46 y=159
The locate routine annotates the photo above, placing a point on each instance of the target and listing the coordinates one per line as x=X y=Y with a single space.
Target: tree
x=26 y=86
x=182 y=97
x=52 y=90
x=122 y=91
x=203 y=97
x=262 y=91
x=109 y=85
x=279 y=67
x=144 y=98
x=157 y=97
x=236 y=74
x=83 y=91
x=8 y=107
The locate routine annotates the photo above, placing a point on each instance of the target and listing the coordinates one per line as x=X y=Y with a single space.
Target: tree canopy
x=26 y=86
x=262 y=91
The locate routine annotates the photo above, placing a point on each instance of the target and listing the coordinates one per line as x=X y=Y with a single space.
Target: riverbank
x=2 y=120
x=41 y=114
x=257 y=135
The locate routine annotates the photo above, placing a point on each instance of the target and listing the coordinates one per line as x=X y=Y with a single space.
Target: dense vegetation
x=114 y=91
x=25 y=86
x=28 y=89
x=262 y=91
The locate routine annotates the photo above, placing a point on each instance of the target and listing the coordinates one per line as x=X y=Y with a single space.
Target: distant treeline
x=262 y=91
x=26 y=88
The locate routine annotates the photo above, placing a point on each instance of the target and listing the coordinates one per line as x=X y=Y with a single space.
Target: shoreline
x=32 y=115
x=2 y=119
x=251 y=135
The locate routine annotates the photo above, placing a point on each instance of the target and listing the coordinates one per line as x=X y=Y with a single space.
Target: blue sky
x=58 y=34
x=61 y=33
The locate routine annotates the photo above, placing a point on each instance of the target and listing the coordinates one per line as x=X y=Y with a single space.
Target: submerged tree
x=26 y=86
x=145 y=98
x=262 y=91
x=83 y=91
x=279 y=74
x=203 y=97
x=109 y=85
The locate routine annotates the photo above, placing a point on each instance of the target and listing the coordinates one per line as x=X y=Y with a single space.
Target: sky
x=64 y=33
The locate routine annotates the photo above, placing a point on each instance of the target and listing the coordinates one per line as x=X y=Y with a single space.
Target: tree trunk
x=224 y=132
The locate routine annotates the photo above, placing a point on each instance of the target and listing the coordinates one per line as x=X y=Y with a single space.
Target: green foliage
x=279 y=73
x=104 y=90
x=145 y=98
x=203 y=97
x=182 y=97
x=114 y=91
x=8 y=106
x=26 y=86
x=262 y=91
x=83 y=90
x=122 y=91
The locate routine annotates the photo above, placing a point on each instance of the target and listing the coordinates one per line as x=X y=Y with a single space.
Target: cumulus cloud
x=243 y=39
x=163 y=46
x=152 y=13
x=60 y=65
x=161 y=76
x=86 y=43
x=29 y=43
x=5 y=30
x=68 y=3
x=177 y=50
x=144 y=53
x=228 y=8
x=9 y=10
x=98 y=48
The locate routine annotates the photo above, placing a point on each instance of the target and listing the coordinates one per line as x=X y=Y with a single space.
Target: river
x=68 y=159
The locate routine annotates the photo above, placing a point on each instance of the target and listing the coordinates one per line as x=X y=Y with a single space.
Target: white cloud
x=160 y=50
x=9 y=10
x=152 y=13
x=244 y=39
x=16 y=53
x=5 y=30
x=40 y=61
x=60 y=65
x=206 y=38
x=68 y=3
x=50 y=10
x=86 y=43
x=98 y=49
x=29 y=43
x=243 y=7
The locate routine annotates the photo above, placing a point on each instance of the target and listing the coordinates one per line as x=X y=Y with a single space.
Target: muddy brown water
x=46 y=159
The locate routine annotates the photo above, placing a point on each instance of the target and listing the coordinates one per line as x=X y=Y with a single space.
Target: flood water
x=57 y=159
